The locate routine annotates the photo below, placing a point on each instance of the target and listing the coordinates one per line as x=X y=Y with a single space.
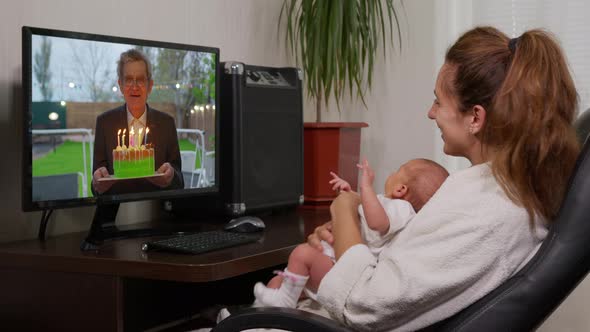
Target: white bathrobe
x=465 y=242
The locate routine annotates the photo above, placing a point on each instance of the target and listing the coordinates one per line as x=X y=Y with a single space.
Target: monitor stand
x=103 y=228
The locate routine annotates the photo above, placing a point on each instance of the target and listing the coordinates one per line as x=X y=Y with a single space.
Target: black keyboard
x=201 y=242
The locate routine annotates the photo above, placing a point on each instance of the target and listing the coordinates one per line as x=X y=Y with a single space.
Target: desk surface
x=124 y=258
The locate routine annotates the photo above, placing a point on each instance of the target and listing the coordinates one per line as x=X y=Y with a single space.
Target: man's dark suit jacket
x=162 y=135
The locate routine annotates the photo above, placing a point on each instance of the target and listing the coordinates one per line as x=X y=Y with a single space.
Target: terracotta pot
x=329 y=146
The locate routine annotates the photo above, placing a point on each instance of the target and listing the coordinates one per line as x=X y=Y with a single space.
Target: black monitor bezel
x=28 y=204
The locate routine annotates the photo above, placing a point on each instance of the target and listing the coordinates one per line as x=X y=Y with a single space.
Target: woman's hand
x=321 y=233
x=344 y=207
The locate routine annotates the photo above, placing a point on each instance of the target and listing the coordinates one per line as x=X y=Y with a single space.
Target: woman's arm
x=344 y=208
x=345 y=222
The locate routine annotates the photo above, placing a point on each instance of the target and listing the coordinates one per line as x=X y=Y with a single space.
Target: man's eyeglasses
x=129 y=82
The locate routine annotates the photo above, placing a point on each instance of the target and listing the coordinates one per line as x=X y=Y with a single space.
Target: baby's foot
x=222 y=314
x=273 y=297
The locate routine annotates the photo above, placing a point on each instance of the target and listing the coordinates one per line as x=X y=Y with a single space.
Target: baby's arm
x=375 y=215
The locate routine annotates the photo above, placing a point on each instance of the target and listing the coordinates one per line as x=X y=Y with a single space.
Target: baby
x=381 y=217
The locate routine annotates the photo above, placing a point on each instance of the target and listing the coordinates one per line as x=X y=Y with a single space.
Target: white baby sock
x=284 y=296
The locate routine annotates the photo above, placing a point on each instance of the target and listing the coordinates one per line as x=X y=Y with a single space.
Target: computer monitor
x=76 y=120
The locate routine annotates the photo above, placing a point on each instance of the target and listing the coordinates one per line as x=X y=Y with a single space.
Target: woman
x=506 y=105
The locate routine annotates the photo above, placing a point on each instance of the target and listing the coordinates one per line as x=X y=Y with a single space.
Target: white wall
x=245 y=31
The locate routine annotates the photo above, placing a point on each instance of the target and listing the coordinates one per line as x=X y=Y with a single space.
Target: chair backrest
x=209 y=165
x=524 y=301
x=51 y=187
x=582 y=126
x=188 y=159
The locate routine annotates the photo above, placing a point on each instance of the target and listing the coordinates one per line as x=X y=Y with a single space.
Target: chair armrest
x=278 y=318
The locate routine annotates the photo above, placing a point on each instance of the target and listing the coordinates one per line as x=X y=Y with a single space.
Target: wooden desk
x=52 y=285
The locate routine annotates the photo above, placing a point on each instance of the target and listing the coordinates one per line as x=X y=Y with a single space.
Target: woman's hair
x=530 y=100
x=133 y=55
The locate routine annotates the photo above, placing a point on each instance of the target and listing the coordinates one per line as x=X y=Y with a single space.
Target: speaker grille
x=269 y=142
x=272 y=145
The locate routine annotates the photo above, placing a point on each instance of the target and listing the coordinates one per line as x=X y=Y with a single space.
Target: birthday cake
x=137 y=160
x=133 y=162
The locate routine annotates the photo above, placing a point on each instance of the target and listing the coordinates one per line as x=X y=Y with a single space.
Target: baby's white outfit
x=398 y=211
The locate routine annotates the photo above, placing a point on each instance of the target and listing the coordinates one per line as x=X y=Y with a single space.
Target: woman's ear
x=477 y=119
x=399 y=191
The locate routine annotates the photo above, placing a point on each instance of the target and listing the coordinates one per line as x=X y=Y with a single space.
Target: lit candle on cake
x=118 y=137
x=123 y=140
x=140 y=137
x=132 y=137
x=147 y=130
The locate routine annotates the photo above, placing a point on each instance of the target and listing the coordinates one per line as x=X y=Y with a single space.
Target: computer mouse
x=245 y=224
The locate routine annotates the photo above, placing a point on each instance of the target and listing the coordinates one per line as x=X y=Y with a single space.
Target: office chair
x=189 y=171
x=57 y=186
x=189 y=159
x=582 y=126
x=521 y=303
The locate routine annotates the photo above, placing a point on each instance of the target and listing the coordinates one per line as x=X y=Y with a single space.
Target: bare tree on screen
x=92 y=68
x=41 y=69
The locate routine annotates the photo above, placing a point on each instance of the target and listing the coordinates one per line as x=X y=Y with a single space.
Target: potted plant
x=335 y=43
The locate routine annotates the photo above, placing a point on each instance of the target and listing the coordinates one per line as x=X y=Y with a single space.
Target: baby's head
x=415 y=181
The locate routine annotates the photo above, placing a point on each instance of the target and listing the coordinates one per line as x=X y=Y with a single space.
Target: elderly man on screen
x=135 y=82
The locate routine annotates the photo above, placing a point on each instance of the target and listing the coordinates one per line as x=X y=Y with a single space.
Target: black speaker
x=261 y=110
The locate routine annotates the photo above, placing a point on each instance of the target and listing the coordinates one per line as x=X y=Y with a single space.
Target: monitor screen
x=112 y=119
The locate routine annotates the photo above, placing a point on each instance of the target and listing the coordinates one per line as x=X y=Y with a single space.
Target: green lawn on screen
x=67 y=158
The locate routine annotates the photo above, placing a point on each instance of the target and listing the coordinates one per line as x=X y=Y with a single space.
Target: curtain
x=568 y=20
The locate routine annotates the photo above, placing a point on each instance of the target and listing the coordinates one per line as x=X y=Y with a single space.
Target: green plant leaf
x=335 y=42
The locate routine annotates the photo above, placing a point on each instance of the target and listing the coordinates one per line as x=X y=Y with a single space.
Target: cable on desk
x=43 y=225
